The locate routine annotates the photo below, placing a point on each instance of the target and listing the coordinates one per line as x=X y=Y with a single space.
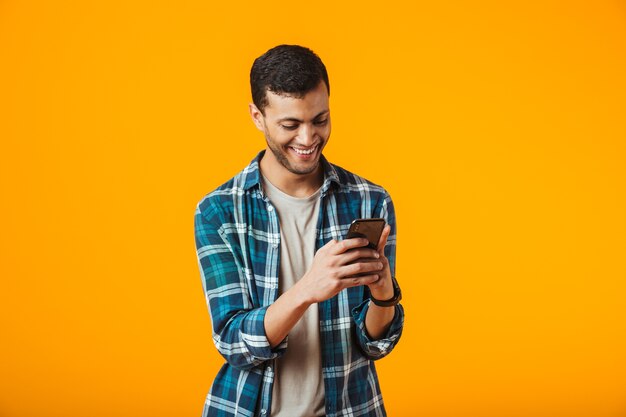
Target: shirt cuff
x=376 y=349
x=255 y=338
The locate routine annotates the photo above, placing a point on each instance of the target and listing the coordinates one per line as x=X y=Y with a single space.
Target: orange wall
x=499 y=128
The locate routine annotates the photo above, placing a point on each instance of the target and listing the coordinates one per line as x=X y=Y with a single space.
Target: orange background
x=499 y=129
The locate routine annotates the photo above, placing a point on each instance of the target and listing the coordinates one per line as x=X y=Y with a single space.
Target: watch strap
x=397 y=296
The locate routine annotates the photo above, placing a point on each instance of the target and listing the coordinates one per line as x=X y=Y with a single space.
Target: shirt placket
x=325 y=313
x=272 y=274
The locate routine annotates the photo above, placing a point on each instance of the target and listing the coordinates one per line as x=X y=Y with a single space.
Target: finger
x=347 y=244
x=360 y=268
x=378 y=283
x=363 y=280
x=382 y=242
x=354 y=254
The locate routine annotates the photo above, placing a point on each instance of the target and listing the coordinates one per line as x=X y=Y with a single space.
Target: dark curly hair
x=286 y=69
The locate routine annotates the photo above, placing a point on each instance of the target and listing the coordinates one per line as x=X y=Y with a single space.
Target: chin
x=304 y=170
x=297 y=167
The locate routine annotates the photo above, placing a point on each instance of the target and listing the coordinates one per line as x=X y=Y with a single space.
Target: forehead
x=311 y=104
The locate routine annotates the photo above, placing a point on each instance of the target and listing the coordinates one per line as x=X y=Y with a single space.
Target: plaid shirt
x=238 y=246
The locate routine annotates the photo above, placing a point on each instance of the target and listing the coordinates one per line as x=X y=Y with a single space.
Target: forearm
x=378 y=319
x=283 y=315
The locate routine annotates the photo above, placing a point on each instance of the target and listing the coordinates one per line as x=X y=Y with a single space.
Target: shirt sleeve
x=376 y=349
x=238 y=327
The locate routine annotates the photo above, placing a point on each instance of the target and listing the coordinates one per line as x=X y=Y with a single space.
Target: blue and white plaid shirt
x=238 y=247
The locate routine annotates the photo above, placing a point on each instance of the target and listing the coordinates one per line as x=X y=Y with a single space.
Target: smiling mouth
x=304 y=151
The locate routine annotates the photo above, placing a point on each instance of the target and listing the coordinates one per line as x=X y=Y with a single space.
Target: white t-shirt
x=298 y=383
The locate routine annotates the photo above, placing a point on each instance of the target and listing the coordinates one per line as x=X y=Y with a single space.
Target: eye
x=321 y=122
x=289 y=127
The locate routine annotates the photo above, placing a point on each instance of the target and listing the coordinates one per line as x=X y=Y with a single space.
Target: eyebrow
x=293 y=119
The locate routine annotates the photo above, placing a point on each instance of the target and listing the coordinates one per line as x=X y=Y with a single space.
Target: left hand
x=382 y=289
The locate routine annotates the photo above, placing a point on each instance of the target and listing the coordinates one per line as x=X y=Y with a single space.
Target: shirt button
x=270 y=208
x=274 y=245
x=263 y=411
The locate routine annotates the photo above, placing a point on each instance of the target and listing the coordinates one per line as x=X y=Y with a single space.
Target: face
x=296 y=129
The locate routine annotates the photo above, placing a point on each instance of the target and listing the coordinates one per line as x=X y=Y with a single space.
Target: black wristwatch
x=397 y=296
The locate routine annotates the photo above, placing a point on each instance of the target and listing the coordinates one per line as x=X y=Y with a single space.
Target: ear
x=257 y=117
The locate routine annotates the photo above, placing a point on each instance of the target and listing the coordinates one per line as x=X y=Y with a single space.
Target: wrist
x=382 y=293
x=300 y=296
x=388 y=301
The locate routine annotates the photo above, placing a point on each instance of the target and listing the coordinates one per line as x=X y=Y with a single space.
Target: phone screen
x=371 y=229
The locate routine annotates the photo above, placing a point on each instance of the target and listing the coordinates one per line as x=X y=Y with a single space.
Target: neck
x=296 y=185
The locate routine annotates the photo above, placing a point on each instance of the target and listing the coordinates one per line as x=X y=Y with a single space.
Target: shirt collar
x=253 y=173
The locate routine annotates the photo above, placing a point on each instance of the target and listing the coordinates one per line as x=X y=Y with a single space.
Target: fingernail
x=376 y=255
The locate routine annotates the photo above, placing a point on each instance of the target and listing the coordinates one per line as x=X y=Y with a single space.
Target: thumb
x=382 y=242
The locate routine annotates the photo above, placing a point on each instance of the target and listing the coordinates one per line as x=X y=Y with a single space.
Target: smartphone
x=371 y=229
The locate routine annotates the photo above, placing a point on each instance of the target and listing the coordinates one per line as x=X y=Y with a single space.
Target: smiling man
x=299 y=313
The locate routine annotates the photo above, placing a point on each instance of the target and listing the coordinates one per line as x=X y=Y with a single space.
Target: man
x=298 y=312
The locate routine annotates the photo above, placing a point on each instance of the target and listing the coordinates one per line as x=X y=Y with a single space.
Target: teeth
x=304 y=151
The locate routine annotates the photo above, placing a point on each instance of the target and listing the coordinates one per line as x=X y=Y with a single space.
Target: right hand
x=335 y=267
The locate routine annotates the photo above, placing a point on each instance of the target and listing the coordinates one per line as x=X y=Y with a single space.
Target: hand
x=382 y=289
x=335 y=266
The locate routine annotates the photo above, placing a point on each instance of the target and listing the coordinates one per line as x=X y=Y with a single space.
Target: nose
x=306 y=135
